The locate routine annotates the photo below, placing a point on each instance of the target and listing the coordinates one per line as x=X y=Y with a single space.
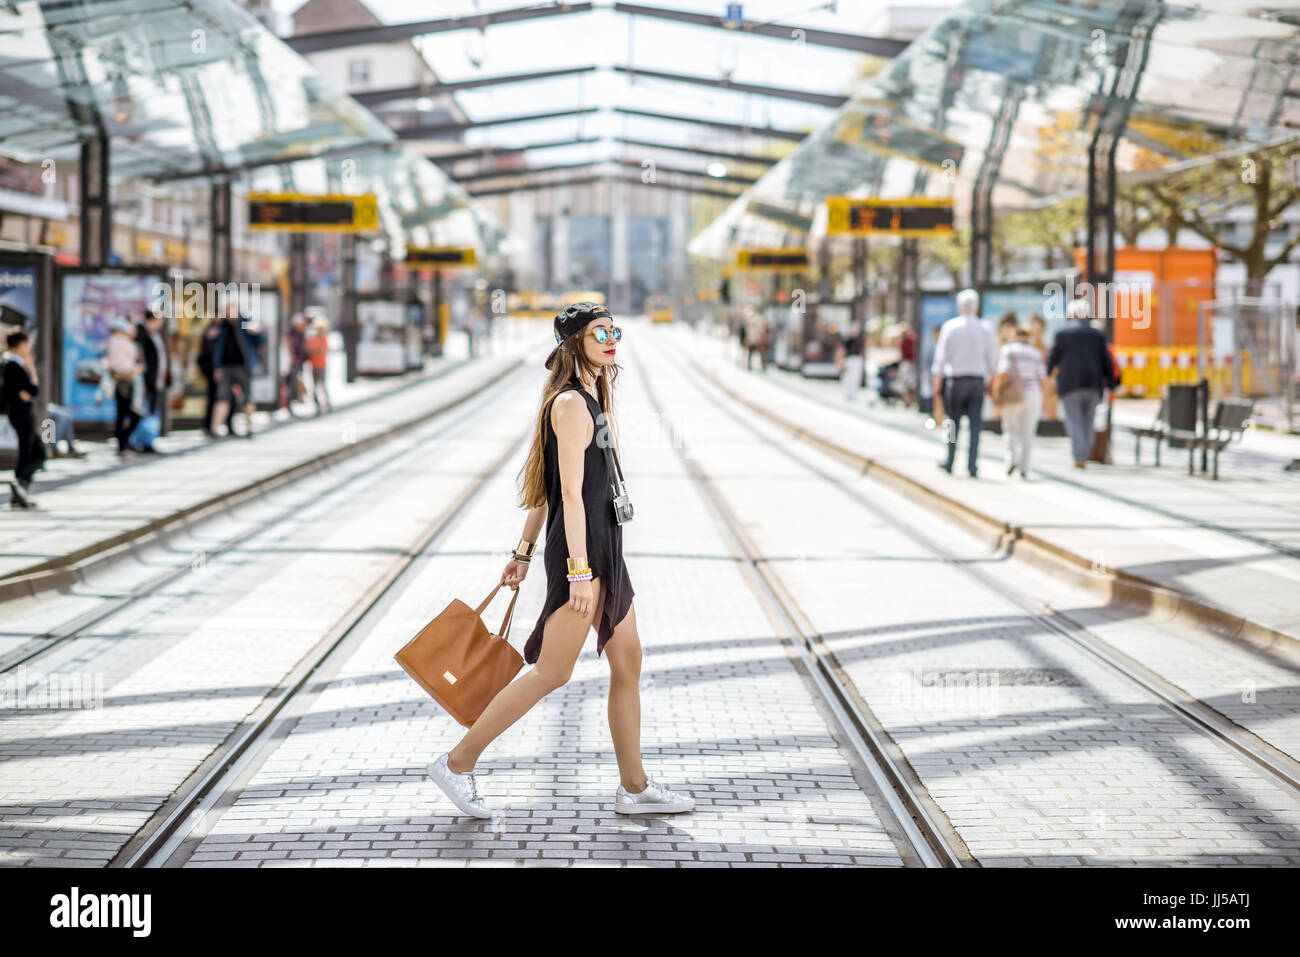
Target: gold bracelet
x=525 y=548
x=578 y=564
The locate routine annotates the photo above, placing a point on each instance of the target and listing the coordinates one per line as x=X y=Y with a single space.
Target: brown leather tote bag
x=459 y=662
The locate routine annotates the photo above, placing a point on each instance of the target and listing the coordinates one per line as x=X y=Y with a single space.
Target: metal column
x=298 y=273
x=221 y=268
x=96 y=219
x=349 y=304
x=1133 y=31
x=437 y=313
x=860 y=283
x=981 y=212
x=909 y=285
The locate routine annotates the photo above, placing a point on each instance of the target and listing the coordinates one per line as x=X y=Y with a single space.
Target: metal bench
x=1229 y=424
x=1176 y=420
x=1156 y=430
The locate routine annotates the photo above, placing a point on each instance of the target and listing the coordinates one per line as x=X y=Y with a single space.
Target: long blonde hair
x=532 y=477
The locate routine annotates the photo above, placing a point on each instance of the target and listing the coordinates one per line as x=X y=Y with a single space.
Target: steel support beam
x=1133 y=31
x=434 y=130
x=833 y=100
x=349 y=304
x=586 y=180
x=981 y=213
x=298 y=273
x=875 y=46
x=700 y=151
x=375 y=97
x=222 y=264
x=794 y=136
x=489 y=152
x=96 y=219
x=388 y=32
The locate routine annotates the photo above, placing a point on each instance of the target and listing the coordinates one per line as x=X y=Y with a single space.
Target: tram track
x=1281 y=767
x=933 y=840
x=46 y=643
x=68 y=570
x=172 y=830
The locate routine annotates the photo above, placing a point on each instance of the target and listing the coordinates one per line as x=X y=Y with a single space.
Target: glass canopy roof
x=188 y=88
x=1217 y=77
x=179 y=87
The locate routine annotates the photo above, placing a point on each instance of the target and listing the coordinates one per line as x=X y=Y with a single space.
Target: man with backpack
x=18 y=390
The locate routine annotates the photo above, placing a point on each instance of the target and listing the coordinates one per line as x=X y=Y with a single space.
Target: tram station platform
x=89 y=508
x=1225 y=553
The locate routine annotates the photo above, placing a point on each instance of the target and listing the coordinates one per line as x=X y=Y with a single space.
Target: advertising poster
x=18 y=298
x=17 y=310
x=263 y=312
x=381 y=346
x=936 y=309
x=89 y=304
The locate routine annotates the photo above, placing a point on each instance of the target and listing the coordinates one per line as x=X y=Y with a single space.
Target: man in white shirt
x=965 y=359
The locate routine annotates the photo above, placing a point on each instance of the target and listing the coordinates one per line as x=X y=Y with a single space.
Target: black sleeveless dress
x=604 y=535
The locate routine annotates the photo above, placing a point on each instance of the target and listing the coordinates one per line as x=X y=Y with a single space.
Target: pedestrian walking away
x=1083 y=366
x=234 y=363
x=566 y=481
x=1020 y=363
x=18 y=390
x=965 y=358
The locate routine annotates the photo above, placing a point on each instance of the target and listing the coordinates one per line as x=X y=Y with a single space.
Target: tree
x=1263 y=180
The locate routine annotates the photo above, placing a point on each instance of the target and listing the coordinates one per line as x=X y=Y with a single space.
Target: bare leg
x=219 y=412
x=563 y=636
x=624 y=653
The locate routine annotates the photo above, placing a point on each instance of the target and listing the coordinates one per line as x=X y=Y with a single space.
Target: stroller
x=888 y=382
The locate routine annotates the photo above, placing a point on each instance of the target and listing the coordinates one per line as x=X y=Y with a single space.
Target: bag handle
x=505 y=622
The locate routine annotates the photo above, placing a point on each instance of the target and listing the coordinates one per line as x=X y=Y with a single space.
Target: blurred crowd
x=142 y=371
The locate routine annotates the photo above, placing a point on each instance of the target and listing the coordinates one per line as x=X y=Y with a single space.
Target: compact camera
x=622 y=504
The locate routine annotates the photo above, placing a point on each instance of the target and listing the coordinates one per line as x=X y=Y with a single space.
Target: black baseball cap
x=574 y=318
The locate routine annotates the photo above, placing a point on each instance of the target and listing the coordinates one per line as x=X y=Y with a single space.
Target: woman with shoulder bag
x=1018 y=390
x=572 y=479
x=122 y=358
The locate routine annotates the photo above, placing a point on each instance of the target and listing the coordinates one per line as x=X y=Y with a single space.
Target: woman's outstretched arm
x=516 y=570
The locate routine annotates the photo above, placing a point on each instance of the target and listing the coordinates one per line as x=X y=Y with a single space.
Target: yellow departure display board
x=321 y=213
x=787 y=259
x=892 y=217
x=441 y=256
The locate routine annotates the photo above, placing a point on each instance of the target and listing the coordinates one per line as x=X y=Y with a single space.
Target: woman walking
x=1019 y=362
x=566 y=480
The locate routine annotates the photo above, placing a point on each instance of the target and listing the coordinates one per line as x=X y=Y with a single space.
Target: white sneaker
x=655 y=799
x=459 y=787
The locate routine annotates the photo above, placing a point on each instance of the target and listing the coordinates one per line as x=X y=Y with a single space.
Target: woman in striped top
x=1023 y=363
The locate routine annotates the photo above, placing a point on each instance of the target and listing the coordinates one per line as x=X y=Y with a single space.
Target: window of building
x=359 y=72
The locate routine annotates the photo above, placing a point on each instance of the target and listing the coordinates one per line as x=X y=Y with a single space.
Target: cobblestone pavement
x=727 y=717
x=174 y=673
x=1036 y=753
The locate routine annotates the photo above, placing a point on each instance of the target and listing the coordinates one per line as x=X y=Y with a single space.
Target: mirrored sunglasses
x=603 y=335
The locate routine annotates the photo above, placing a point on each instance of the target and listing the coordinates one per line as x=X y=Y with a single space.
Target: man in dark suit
x=1081 y=361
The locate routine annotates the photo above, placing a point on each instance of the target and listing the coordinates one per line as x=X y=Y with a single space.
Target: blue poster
x=936 y=309
x=1047 y=304
x=90 y=304
x=18 y=299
